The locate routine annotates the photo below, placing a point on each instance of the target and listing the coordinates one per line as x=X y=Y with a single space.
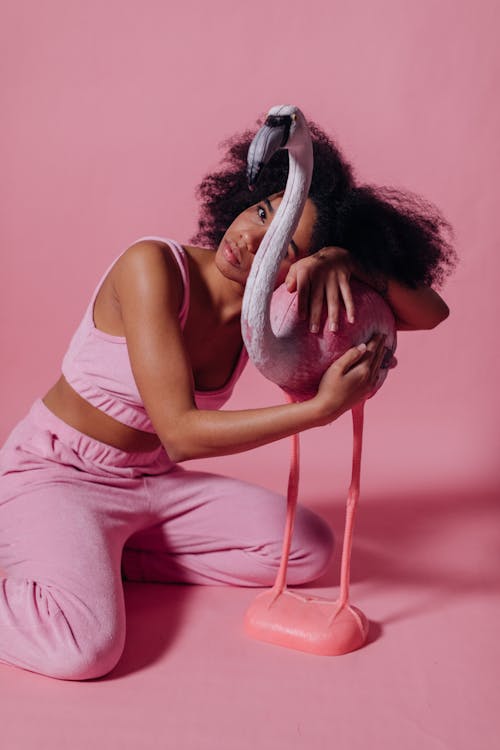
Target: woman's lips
x=230 y=255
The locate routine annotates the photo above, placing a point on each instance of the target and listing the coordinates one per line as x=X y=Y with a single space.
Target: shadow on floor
x=155 y=614
x=437 y=545
x=444 y=543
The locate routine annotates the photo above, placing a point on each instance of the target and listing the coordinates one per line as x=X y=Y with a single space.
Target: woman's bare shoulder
x=148 y=267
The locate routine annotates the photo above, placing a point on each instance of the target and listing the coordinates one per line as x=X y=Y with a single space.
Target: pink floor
x=423 y=571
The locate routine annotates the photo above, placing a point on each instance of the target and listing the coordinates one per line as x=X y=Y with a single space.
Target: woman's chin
x=229 y=271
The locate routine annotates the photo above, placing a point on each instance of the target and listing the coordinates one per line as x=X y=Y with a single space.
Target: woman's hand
x=319 y=278
x=351 y=378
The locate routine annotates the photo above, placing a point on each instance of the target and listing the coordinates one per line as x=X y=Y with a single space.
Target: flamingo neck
x=261 y=343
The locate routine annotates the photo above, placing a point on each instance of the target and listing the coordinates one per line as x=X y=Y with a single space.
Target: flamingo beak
x=272 y=136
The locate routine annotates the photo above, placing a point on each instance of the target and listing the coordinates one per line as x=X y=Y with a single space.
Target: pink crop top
x=97 y=365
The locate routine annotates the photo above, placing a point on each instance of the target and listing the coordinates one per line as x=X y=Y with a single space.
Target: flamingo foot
x=306 y=623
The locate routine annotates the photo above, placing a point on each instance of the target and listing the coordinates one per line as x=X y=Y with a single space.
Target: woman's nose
x=252 y=238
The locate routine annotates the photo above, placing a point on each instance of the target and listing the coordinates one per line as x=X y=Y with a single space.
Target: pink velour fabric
x=69 y=505
x=97 y=364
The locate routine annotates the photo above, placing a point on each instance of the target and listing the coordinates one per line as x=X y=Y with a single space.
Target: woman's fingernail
x=351 y=319
x=314 y=328
x=333 y=327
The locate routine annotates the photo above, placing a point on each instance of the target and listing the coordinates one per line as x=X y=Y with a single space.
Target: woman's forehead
x=276 y=197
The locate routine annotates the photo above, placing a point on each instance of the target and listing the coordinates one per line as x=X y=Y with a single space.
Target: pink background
x=112 y=111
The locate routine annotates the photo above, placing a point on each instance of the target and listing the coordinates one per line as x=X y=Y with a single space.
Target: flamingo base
x=306 y=623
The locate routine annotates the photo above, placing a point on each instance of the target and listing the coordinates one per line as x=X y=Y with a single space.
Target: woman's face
x=242 y=239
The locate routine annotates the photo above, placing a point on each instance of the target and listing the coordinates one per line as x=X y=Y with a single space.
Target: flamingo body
x=305 y=356
x=278 y=343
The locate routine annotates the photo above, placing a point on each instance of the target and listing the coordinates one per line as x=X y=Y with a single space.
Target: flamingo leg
x=291 y=506
x=287 y=618
x=352 y=503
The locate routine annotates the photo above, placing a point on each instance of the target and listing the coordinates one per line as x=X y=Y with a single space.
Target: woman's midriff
x=69 y=406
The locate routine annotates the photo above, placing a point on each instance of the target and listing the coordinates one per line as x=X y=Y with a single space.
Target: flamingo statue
x=282 y=348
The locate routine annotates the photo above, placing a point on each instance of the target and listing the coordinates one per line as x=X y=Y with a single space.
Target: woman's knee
x=312 y=547
x=81 y=643
x=310 y=553
x=93 y=657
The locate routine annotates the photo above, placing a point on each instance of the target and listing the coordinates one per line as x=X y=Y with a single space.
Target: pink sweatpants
x=76 y=515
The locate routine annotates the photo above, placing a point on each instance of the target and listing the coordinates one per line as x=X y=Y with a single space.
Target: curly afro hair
x=389 y=233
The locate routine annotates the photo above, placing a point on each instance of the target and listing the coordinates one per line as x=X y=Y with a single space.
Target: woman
x=90 y=484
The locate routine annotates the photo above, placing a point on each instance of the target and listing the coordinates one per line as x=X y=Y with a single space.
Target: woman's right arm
x=149 y=290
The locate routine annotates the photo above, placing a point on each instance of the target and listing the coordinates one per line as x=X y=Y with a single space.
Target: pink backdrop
x=111 y=113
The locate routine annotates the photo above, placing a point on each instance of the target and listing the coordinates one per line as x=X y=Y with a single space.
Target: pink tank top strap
x=97 y=365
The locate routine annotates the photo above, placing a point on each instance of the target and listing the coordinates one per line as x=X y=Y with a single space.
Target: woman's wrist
x=378 y=281
x=324 y=410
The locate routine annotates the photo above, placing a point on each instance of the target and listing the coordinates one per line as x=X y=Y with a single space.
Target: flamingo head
x=285 y=127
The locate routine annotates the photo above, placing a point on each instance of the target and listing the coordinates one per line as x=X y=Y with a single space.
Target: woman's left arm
x=414 y=309
x=323 y=278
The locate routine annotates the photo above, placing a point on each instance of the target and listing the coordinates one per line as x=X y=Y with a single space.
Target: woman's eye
x=261 y=213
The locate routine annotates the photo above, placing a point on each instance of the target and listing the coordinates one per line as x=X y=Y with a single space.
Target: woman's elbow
x=177 y=450
x=440 y=315
x=426 y=323
x=437 y=309
x=175 y=455
x=185 y=446
x=176 y=446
